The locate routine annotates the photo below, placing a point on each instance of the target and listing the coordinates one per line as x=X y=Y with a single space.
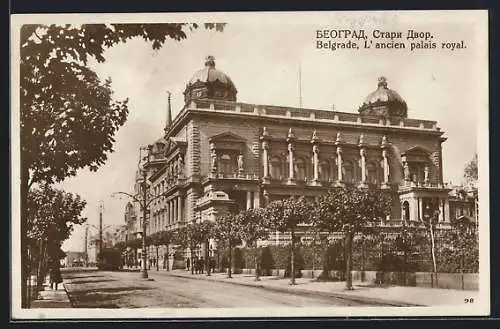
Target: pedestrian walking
x=55 y=275
x=187 y=263
x=202 y=265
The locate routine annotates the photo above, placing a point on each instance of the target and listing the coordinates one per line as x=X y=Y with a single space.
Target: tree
x=52 y=214
x=206 y=232
x=68 y=116
x=285 y=216
x=254 y=227
x=165 y=237
x=406 y=241
x=431 y=214
x=351 y=210
x=471 y=172
x=189 y=236
x=228 y=229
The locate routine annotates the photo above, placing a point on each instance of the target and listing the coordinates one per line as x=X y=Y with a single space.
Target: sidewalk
x=363 y=291
x=49 y=298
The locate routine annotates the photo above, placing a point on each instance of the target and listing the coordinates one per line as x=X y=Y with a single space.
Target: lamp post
x=99 y=229
x=144 y=200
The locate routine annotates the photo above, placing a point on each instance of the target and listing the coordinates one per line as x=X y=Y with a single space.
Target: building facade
x=220 y=155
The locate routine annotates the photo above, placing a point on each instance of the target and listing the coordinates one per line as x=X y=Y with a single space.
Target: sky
x=262 y=57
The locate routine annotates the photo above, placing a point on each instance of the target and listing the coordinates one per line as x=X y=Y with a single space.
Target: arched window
x=227 y=165
x=371 y=173
x=300 y=166
x=276 y=168
x=406 y=211
x=324 y=170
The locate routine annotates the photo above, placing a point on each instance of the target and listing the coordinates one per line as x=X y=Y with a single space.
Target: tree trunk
x=192 y=261
x=157 y=259
x=292 y=259
x=433 y=252
x=207 y=257
x=348 y=282
x=230 y=261
x=167 y=266
x=257 y=265
x=24 y=237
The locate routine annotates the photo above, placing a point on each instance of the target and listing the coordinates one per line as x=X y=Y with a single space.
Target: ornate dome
x=384 y=102
x=210 y=83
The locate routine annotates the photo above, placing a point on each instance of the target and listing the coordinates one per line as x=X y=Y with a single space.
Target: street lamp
x=144 y=199
x=99 y=229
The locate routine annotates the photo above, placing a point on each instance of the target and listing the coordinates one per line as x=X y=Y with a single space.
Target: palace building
x=220 y=155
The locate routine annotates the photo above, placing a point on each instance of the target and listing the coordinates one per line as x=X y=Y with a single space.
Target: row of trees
x=51 y=216
x=353 y=213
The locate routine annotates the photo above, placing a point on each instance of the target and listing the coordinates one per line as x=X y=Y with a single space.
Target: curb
x=366 y=300
x=67 y=295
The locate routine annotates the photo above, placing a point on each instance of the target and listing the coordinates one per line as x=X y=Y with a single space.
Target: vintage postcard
x=257 y=164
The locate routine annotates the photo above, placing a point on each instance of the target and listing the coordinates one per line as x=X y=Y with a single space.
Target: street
x=107 y=289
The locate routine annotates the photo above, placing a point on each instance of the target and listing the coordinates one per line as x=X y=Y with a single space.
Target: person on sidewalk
x=55 y=275
x=187 y=263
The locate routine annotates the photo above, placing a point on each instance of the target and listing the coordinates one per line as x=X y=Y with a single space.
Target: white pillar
x=265 y=158
x=249 y=200
x=446 y=210
x=315 y=162
x=175 y=210
x=256 y=199
x=179 y=208
x=420 y=209
x=291 y=173
x=362 y=153
x=386 y=166
x=441 y=210
x=339 y=164
x=170 y=212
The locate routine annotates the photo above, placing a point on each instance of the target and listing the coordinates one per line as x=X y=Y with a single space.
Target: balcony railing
x=311 y=114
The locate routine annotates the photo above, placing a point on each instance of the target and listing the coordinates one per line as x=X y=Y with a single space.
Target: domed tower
x=210 y=83
x=384 y=102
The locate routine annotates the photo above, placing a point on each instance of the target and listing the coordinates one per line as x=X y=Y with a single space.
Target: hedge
x=368 y=255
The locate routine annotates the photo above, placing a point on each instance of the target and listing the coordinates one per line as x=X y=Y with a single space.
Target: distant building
x=74 y=259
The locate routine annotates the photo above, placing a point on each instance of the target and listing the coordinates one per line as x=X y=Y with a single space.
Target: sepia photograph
x=257 y=164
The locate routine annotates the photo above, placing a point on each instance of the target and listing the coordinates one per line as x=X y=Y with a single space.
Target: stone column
x=265 y=139
x=446 y=210
x=249 y=200
x=362 y=154
x=175 y=210
x=179 y=208
x=414 y=209
x=170 y=212
x=256 y=199
x=291 y=170
x=265 y=158
x=315 y=163
x=420 y=209
x=441 y=210
x=339 y=164
x=213 y=160
x=385 y=159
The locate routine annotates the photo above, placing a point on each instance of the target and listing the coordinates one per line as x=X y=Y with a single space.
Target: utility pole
x=144 y=185
x=86 y=246
x=100 y=232
x=144 y=200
